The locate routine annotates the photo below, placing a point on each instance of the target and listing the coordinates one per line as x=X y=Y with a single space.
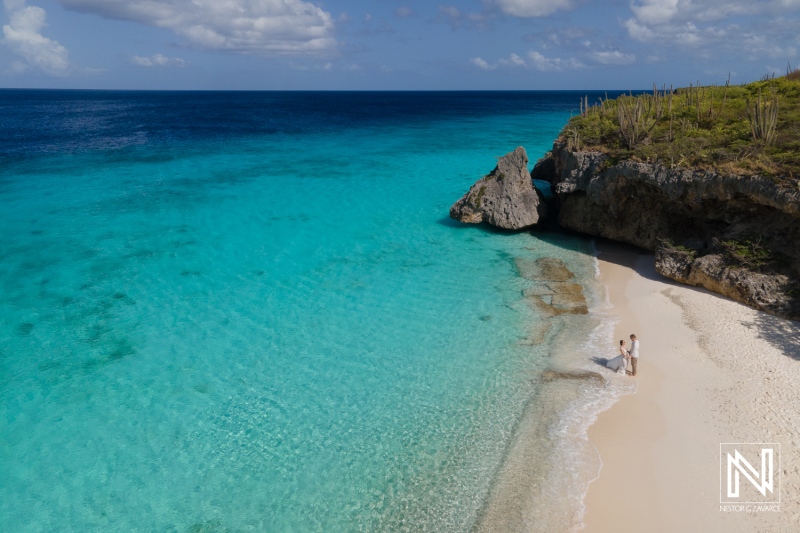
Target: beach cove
x=720 y=374
x=267 y=322
x=712 y=371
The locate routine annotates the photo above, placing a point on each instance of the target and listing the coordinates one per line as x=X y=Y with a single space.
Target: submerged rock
x=569 y=295
x=536 y=333
x=543 y=269
x=549 y=376
x=557 y=296
x=505 y=198
x=565 y=301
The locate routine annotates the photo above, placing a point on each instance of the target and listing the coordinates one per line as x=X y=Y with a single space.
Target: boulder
x=504 y=198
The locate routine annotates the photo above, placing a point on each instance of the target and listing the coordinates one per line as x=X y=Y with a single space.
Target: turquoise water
x=254 y=329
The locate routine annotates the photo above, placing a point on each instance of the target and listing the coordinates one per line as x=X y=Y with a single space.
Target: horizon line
x=324 y=90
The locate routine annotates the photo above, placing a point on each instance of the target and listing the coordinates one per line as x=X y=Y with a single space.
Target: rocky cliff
x=505 y=198
x=735 y=235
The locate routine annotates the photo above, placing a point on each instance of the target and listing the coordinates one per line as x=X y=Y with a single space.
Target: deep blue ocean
x=225 y=311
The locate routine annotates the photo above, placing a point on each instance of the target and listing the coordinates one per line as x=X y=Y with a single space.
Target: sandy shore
x=711 y=371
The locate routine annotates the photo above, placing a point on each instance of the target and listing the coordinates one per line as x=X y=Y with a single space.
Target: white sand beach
x=711 y=371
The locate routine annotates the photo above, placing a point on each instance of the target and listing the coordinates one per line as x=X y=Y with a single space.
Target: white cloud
x=481 y=63
x=655 y=11
x=458 y=19
x=513 y=61
x=158 y=60
x=23 y=35
x=532 y=8
x=639 y=32
x=563 y=35
x=711 y=22
x=326 y=67
x=535 y=60
x=268 y=27
x=450 y=11
x=404 y=12
x=552 y=64
x=612 y=57
x=759 y=46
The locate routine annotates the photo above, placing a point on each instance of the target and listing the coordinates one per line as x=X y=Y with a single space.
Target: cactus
x=638 y=116
x=763 y=118
x=573 y=140
x=725 y=96
x=584 y=106
x=671 y=134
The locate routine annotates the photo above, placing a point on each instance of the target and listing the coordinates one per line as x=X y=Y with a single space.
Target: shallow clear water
x=250 y=312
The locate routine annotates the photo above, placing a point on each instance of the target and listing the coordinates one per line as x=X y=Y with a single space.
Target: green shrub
x=700 y=127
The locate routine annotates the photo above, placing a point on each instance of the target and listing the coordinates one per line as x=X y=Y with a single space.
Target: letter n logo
x=748 y=472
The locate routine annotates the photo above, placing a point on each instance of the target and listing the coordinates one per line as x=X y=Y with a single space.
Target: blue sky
x=393 y=44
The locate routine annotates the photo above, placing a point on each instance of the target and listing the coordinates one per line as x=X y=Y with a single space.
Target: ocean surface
x=225 y=311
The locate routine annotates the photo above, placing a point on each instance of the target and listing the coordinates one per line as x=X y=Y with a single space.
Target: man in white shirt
x=634 y=351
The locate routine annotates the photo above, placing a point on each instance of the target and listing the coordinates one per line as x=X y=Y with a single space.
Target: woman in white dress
x=620 y=363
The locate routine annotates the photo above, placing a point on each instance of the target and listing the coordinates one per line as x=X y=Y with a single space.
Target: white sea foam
x=580 y=460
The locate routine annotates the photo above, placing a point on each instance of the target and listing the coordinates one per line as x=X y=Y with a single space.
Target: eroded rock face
x=640 y=203
x=505 y=198
x=644 y=204
x=772 y=291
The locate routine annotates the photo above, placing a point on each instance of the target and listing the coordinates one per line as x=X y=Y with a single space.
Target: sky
x=393 y=44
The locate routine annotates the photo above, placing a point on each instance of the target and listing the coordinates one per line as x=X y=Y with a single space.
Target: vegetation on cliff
x=706 y=177
x=744 y=129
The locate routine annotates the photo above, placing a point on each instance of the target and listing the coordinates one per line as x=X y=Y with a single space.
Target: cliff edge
x=732 y=234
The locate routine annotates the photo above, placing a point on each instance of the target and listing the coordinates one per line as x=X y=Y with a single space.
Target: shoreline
x=549 y=460
x=711 y=371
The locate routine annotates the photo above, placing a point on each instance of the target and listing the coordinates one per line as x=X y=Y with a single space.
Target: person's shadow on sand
x=602 y=361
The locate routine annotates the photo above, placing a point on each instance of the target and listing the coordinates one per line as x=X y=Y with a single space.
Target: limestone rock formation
x=770 y=291
x=505 y=198
x=640 y=203
x=741 y=232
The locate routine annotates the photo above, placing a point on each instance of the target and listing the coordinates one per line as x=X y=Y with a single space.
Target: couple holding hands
x=619 y=363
